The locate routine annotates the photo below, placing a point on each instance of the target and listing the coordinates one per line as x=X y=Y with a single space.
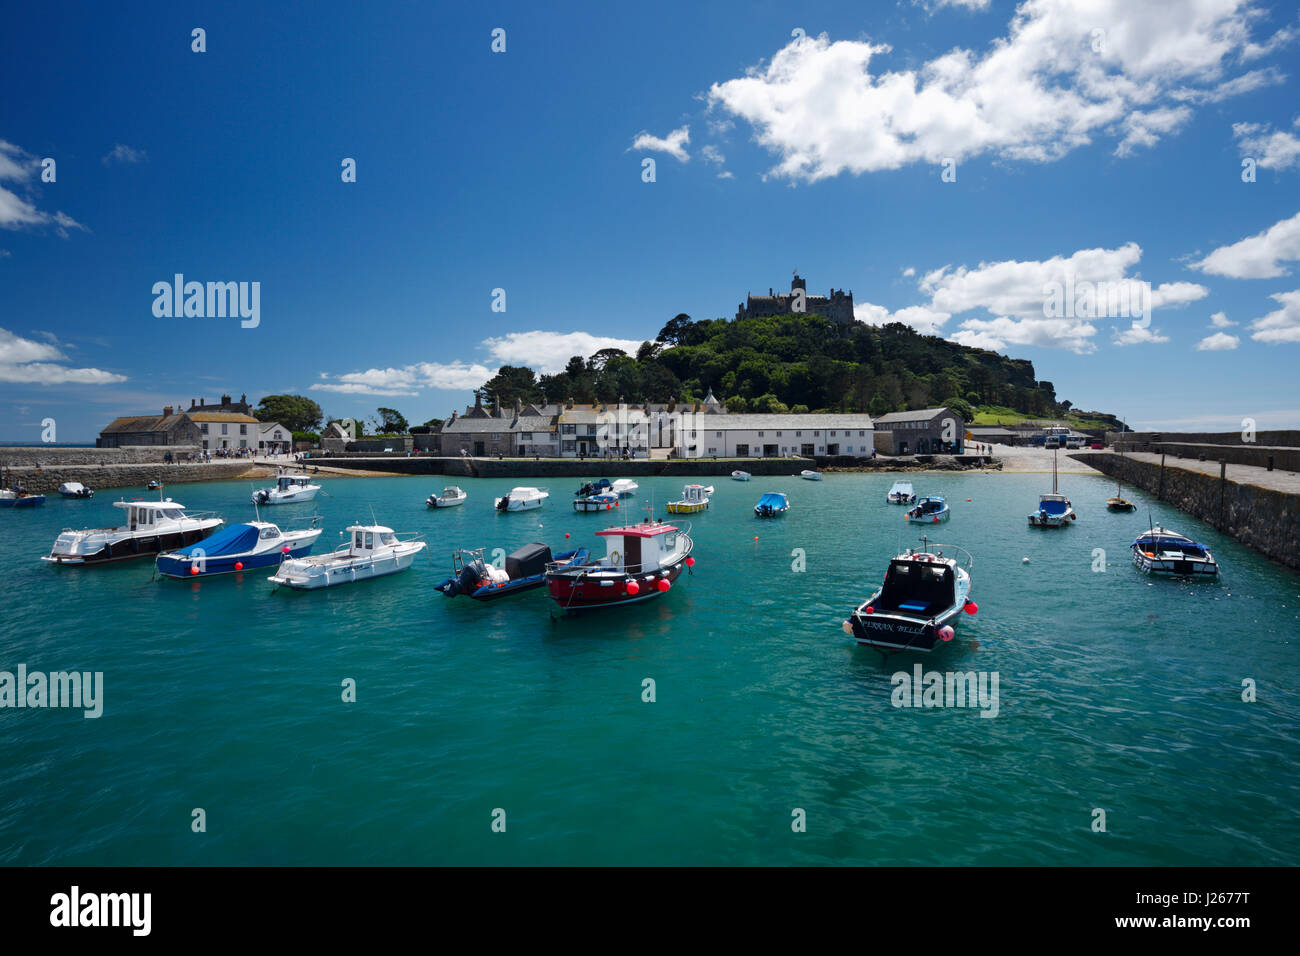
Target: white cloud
x=674 y=144
x=909 y=272
x=1066 y=71
x=1218 y=342
x=17 y=212
x=1220 y=320
x=1138 y=335
x=123 y=154
x=548 y=352
x=712 y=154
x=1270 y=148
x=1280 y=325
x=28 y=362
x=1259 y=256
x=544 y=352
x=1017 y=297
x=726 y=174
x=408 y=379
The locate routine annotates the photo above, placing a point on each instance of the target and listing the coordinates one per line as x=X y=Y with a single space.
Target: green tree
x=509 y=383
x=674 y=332
x=391 y=422
x=295 y=412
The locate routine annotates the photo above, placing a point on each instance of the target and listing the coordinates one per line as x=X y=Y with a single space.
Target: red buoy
x=285 y=549
x=239 y=565
x=664 y=584
x=690 y=562
x=971 y=607
x=633 y=588
x=869 y=609
x=194 y=569
x=566 y=534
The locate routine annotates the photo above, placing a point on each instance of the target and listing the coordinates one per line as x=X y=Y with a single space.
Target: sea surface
x=1117 y=693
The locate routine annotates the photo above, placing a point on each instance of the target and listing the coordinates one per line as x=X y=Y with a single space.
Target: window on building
x=243 y=429
x=225 y=429
x=717 y=434
x=760 y=434
x=496 y=436
x=204 y=428
x=568 y=429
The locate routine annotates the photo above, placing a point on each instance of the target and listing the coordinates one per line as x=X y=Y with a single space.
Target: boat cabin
x=694 y=494
x=144 y=515
x=929 y=506
x=367 y=538
x=292 y=482
x=919 y=588
x=641 y=547
x=1053 y=505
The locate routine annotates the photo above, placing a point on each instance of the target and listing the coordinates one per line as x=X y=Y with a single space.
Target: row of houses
x=698 y=430
x=226 y=426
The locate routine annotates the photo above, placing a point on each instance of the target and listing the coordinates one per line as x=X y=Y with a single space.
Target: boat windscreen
x=1052 y=507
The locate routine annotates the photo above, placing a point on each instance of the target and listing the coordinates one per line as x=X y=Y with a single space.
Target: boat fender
x=970 y=607
x=664 y=584
x=869 y=609
x=846 y=627
x=633 y=588
x=946 y=633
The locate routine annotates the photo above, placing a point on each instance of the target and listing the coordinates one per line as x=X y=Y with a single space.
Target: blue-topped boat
x=605 y=501
x=1054 y=509
x=1161 y=551
x=18 y=498
x=525 y=569
x=772 y=503
x=589 y=488
x=929 y=510
x=241 y=547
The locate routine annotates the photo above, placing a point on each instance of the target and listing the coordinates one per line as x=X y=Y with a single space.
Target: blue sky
x=1087 y=136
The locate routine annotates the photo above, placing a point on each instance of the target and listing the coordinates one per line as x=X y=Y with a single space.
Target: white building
x=274 y=439
x=771 y=436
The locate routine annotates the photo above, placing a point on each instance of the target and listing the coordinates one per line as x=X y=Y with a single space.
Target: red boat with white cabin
x=641 y=562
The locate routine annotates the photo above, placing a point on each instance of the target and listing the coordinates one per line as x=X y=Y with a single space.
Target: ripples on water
x=1116 y=692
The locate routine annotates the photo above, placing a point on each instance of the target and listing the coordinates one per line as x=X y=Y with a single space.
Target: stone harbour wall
x=1264 y=519
x=53 y=456
x=47 y=478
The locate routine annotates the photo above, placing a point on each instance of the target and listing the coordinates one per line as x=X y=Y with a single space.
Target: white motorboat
x=372 y=551
x=901 y=493
x=450 y=497
x=809 y=475
x=522 y=499
x=740 y=476
x=75 y=489
x=624 y=487
x=151 y=527
x=288 y=490
x=1161 y=551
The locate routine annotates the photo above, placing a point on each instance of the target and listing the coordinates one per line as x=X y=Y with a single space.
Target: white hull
x=528 y=504
x=288 y=497
x=309 y=574
x=447 y=502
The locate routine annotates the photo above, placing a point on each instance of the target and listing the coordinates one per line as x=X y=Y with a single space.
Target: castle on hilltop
x=838 y=306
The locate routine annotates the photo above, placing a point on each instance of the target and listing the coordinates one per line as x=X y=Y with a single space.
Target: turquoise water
x=1116 y=692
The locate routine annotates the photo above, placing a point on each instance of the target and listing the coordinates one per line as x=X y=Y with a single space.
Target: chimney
x=201 y=402
x=167 y=411
x=496 y=405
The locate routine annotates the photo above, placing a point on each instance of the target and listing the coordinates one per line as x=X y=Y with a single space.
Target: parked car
x=1097 y=446
x=1052 y=442
x=1074 y=443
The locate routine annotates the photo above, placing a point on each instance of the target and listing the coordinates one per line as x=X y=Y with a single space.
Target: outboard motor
x=504 y=503
x=261 y=497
